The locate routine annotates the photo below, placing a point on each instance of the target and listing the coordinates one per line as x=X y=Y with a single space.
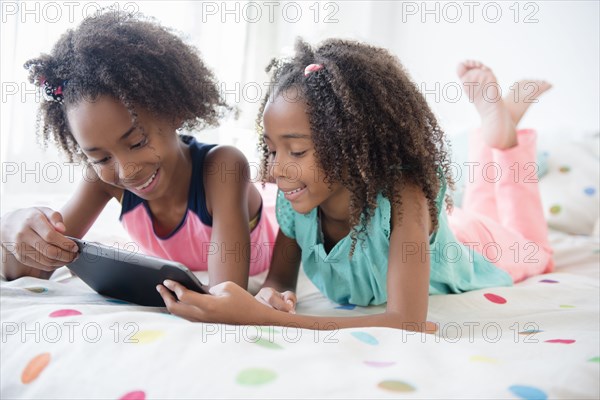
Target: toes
x=461 y=69
x=468 y=65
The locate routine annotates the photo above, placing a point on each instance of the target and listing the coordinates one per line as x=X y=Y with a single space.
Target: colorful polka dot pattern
x=117 y=301
x=561 y=341
x=494 y=298
x=134 y=395
x=35 y=367
x=64 y=313
x=528 y=392
x=530 y=332
x=37 y=289
x=146 y=336
x=261 y=376
x=380 y=364
x=396 y=386
x=255 y=376
x=346 y=307
x=365 y=338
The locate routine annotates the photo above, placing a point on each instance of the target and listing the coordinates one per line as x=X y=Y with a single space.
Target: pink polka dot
x=64 y=313
x=563 y=341
x=379 y=363
x=135 y=395
x=494 y=298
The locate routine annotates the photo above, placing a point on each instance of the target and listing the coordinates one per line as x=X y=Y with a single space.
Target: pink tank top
x=190 y=242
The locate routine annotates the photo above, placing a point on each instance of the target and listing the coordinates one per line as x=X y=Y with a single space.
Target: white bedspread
x=539 y=339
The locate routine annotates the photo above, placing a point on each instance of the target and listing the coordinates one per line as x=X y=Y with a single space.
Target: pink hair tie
x=312 y=68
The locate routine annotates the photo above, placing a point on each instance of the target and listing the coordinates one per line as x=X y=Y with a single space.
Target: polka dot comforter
x=536 y=340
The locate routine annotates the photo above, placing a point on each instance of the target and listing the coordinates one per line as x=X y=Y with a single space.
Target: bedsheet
x=539 y=339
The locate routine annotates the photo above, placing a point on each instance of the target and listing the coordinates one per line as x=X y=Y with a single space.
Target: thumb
x=218 y=289
x=55 y=218
x=290 y=300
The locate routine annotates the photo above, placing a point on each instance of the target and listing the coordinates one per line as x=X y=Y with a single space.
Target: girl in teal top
x=362 y=170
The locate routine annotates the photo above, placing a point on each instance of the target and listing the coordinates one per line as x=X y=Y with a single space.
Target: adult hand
x=34 y=236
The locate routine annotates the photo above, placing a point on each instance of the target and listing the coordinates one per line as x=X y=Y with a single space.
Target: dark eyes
x=141 y=143
x=298 y=154
x=105 y=159
x=135 y=146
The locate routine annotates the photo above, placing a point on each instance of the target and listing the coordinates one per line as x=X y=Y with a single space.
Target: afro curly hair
x=133 y=59
x=372 y=129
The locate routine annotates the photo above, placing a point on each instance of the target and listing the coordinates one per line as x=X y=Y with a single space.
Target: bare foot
x=497 y=126
x=521 y=95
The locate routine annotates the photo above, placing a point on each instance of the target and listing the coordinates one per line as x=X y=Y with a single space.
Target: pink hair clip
x=53 y=93
x=312 y=68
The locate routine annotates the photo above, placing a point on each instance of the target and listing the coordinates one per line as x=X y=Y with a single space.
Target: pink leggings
x=502 y=216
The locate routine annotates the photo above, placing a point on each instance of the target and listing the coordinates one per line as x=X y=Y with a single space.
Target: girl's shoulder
x=222 y=156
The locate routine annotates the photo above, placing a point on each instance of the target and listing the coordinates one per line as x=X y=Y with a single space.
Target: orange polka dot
x=564 y=169
x=35 y=367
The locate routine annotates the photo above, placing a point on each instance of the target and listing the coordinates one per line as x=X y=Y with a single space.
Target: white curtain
x=553 y=40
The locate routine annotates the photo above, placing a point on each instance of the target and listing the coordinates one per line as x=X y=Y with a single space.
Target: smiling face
x=292 y=158
x=141 y=158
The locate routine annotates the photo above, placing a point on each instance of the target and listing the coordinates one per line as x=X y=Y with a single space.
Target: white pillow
x=570 y=187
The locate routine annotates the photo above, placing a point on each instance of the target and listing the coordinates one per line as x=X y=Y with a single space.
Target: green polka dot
x=255 y=376
x=37 y=289
x=566 y=306
x=594 y=359
x=564 y=169
x=555 y=209
x=269 y=345
x=396 y=386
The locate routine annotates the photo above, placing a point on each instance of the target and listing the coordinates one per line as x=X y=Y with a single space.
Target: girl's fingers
x=189 y=312
x=290 y=299
x=279 y=301
x=289 y=295
x=175 y=287
x=184 y=295
x=167 y=295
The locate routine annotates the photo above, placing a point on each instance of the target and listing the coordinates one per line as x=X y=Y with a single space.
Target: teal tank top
x=362 y=279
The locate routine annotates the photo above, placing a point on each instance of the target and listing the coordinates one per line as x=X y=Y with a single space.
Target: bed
x=538 y=339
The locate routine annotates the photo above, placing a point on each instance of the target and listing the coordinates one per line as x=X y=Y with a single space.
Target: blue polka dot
x=346 y=307
x=528 y=392
x=117 y=301
x=590 y=191
x=365 y=338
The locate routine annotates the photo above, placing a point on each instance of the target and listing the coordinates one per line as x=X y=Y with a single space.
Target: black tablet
x=127 y=275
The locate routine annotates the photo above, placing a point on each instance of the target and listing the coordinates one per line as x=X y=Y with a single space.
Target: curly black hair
x=372 y=129
x=133 y=59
